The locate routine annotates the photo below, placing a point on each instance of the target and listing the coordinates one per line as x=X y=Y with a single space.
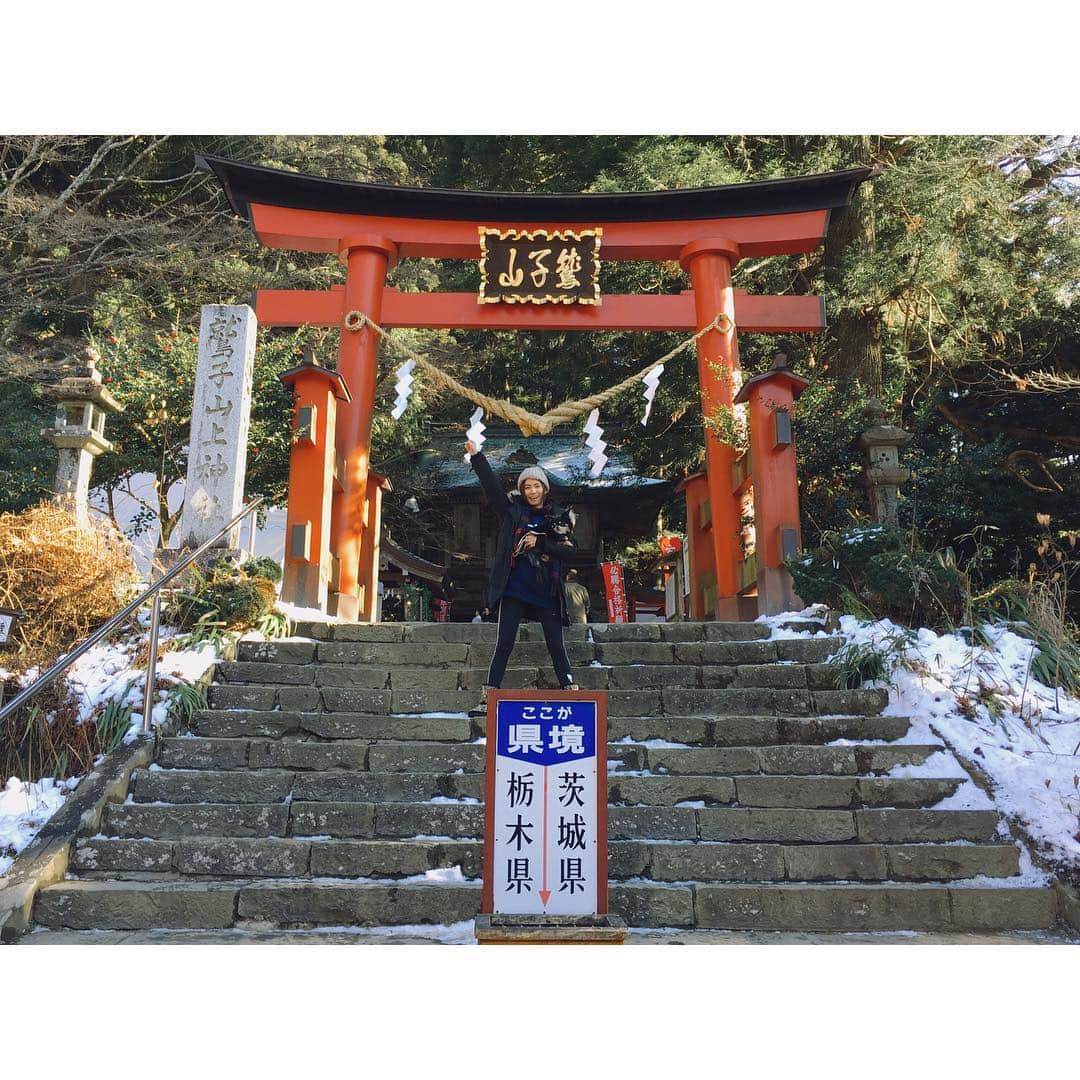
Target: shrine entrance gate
x=369 y=227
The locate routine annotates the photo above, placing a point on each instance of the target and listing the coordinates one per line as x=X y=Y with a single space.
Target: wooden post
x=368 y=575
x=702 y=558
x=709 y=264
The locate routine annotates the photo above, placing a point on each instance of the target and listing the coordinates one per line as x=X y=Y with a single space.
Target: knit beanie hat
x=534 y=472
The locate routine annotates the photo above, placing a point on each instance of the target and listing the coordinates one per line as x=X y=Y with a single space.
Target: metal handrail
x=153 y=592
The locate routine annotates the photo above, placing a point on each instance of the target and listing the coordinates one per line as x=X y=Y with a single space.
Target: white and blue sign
x=545 y=821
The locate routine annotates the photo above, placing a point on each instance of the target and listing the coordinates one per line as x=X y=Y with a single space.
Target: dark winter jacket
x=553 y=549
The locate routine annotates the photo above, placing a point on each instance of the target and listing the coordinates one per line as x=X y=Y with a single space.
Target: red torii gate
x=371 y=226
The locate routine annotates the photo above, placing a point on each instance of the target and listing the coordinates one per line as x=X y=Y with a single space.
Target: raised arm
x=496 y=497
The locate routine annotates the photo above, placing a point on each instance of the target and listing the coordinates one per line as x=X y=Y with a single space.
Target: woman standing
x=535 y=541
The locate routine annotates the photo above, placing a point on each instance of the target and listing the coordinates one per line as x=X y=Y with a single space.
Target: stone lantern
x=78 y=434
x=883 y=474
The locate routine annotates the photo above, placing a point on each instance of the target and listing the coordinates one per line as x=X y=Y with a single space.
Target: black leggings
x=511 y=612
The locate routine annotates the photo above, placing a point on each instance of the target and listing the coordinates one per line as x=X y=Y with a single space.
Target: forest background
x=950 y=287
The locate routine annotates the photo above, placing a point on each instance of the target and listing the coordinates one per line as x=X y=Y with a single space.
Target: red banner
x=615 y=592
x=442 y=610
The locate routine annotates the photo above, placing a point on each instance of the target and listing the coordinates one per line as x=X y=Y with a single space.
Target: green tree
x=152 y=375
x=950 y=286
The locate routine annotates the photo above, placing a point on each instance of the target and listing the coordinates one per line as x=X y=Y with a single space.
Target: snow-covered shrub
x=921 y=587
x=874 y=660
x=1037 y=609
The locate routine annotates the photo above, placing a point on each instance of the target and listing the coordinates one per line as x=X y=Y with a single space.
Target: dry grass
x=47 y=738
x=67 y=579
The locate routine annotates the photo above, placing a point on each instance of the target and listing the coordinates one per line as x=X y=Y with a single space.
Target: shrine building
x=617 y=507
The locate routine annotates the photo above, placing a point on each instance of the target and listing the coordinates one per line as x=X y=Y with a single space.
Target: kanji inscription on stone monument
x=220 y=416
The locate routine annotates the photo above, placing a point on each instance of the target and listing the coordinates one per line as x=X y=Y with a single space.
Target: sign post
x=615 y=591
x=9 y=617
x=545 y=834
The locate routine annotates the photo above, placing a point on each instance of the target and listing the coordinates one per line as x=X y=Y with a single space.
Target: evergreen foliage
x=950 y=286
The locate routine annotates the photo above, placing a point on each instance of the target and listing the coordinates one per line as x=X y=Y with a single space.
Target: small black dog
x=559 y=528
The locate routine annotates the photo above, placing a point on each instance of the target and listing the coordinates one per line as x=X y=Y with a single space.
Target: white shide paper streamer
x=403 y=388
x=595 y=443
x=651 y=379
x=475 y=434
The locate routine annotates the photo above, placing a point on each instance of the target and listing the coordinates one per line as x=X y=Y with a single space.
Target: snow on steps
x=301 y=800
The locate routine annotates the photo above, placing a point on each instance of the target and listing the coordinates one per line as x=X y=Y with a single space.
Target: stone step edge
x=626 y=741
x=176 y=877
x=130 y=803
x=294 y=771
x=176 y=859
x=298 y=717
x=630 y=774
x=444 y=714
x=701 y=905
x=422 y=841
x=289 y=798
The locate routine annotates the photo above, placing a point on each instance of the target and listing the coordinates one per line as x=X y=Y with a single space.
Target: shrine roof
x=565 y=458
x=245 y=184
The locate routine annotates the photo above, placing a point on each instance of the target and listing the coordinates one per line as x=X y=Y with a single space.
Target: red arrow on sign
x=545 y=892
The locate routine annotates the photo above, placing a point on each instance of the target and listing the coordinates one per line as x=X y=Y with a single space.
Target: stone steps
x=661 y=862
x=402 y=820
x=135 y=905
x=673 y=701
x=319 y=755
x=420 y=777
x=329 y=776
x=734 y=730
x=462 y=935
x=764 y=676
x=476 y=632
x=297 y=660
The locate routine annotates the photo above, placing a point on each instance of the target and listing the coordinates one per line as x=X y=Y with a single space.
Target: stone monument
x=78 y=434
x=220 y=415
x=883 y=474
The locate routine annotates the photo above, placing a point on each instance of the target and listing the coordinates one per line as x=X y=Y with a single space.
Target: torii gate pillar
x=367 y=258
x=709 y=264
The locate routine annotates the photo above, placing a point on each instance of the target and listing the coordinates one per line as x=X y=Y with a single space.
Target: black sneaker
x=571 y=686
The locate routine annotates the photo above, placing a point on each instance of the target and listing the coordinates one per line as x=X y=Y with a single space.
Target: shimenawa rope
x=530 y=423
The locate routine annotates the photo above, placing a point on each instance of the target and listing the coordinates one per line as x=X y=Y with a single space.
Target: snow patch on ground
x=815 y=613
x=103 y=675
x=433 y=715
x=24 y=808
x=460 y=933
x=983 y=703
x=304 y=614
